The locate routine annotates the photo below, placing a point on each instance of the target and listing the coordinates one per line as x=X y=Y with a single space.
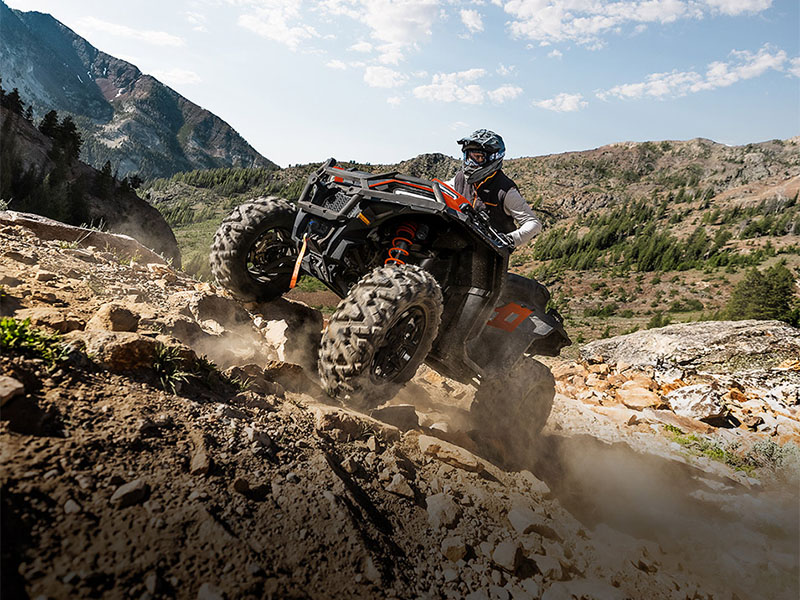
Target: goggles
x=475 y=157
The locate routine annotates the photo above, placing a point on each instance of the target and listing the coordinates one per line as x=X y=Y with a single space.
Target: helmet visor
x=474 y=157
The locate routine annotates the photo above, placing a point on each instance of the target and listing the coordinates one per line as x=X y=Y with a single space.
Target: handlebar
x=481 y=219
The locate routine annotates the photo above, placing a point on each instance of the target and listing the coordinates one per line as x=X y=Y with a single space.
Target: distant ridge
x=126 y=117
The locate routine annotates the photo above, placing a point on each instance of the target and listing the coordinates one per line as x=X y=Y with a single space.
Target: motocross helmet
x=483 y=152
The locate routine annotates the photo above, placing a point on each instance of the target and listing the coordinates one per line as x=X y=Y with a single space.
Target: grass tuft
x=19 y=336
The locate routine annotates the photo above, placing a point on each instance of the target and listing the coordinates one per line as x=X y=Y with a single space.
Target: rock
x=158 y=234
x=257 y=437
x=153 y=583
x=118 y=350
x=10 y=282
x=399 y=485
x=42 y=275
x=449 y=453
x=549 y=567
x=53 y=318
x=114 y=317
x=208 y=591
x=26 y=258
x=524 y=521
x=252 y=378
x=200 y=463
x=586 y=589
x=294 y=330
x=536 y=485
x=498 y=593
x=71 y=507
x=241 y=485
x=701 y=402
x=10 y=387
x=454 y=548
x=350 y=465
x=713 y=346
x=292 y=377
x=348 y=425
x=372 y=443
x=507 y=555
x=531 y=587
x=686 y=424
x=403 y=416
x=371 y=572
x=632 y=395
x=442 y=511
x=130 y=493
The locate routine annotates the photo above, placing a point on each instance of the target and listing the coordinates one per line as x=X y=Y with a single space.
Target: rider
x=484 y=184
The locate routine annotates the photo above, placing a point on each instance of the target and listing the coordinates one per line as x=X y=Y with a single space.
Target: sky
x=380 y=81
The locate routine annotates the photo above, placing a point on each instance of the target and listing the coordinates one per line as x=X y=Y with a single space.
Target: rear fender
x=520 y=323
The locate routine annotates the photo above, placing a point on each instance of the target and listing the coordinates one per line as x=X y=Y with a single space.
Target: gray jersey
x=514 y=205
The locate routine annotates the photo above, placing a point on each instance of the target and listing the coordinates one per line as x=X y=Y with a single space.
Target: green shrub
x=19 y=336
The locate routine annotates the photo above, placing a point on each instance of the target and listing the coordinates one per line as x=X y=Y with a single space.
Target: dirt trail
x=132 y=470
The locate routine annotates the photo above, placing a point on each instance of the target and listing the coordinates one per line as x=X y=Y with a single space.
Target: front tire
x=510 y=411
x=253 y=253
x=380 y=334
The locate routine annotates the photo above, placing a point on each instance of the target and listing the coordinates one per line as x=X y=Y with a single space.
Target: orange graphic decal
x=509 y=317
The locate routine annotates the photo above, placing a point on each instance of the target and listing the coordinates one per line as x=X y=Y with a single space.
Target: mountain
x=126 y=117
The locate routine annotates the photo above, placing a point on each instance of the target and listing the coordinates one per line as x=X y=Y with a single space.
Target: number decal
x=509 y=317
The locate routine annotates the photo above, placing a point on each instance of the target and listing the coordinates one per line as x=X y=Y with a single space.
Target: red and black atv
x=422 y=276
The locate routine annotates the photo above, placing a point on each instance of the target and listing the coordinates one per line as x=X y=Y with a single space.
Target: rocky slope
x=131 y=466
x=120 y=210
x=127 y=117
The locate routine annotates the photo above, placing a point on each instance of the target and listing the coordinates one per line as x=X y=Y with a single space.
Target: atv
x=423 y=278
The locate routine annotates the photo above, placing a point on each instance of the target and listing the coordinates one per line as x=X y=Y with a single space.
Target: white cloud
x=555 y=54
x=336 y=64
x=794 y=66
x=156 y=38
x=403 y=22
x=196 y=20
x=458 y=125
x=177 y=77
x=383 y=77
x=472 y=20
x=453 y=87
x=743 y=65
x=394 y=100
x=504 y=93
x=390 y=54
x=737 y=7
x=563 y=103
x=361 y=47
x=277 y=20
x=585 y=21
x=505 y=71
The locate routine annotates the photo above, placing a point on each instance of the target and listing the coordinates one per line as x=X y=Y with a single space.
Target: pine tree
x=49 y=124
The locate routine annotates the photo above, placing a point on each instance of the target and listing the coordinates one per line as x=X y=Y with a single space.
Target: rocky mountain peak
x=142 y=126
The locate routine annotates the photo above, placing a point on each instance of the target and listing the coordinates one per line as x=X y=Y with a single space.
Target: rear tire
x=380 y=334
x=510 y=411
x=253 y=253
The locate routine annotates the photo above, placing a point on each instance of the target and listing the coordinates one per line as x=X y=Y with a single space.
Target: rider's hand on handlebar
x=507 y=240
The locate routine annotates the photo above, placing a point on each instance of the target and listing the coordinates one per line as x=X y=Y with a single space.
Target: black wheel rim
x=399 y=346
x=272 y=255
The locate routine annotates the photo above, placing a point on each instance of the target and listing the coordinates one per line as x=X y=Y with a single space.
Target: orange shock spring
x=403 y=238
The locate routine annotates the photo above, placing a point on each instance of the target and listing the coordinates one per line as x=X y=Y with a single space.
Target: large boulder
x=711 y=346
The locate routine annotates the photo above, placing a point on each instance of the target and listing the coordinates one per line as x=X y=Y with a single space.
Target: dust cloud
x=745 y=541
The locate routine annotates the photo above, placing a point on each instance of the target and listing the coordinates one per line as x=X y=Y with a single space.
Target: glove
x=507 y=240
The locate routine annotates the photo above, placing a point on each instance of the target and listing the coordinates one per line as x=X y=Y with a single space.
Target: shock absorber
x=401 y=243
